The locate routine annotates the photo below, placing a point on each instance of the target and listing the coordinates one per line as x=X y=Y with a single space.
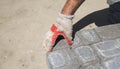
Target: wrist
x=66 y=16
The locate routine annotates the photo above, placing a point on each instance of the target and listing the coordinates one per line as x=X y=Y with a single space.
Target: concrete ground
x=23 y=24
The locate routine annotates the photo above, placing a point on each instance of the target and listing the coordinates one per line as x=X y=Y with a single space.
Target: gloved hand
x=64 y=25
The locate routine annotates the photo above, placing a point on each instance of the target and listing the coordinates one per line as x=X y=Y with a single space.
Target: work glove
x=62 y=27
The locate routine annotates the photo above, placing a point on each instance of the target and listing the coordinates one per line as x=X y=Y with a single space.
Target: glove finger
x=47 y=42
x=47 y=45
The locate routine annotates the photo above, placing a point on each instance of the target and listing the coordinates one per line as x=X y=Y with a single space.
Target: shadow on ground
x=100 y=18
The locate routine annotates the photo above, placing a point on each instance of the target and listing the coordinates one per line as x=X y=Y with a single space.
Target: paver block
x=61 y=45
x=118 y=25
x=56 y=63
x=85 y=54
x=113 y=63
x=107 y=49
x=76 y=41
x=62 y=59
x=93 y=66
x=108 y=32
x=118 y=42
x=85 y=37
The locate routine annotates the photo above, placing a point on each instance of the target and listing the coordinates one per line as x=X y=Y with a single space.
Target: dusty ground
x=23 y=24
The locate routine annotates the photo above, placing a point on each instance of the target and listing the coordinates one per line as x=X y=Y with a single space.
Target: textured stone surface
x=61 y=45
x=92 y=49
x=109 y=32
x=93 y=66
x=113 y=63
x=86 y=37
x=85 y=53
x=63 y=59
x=107 y=49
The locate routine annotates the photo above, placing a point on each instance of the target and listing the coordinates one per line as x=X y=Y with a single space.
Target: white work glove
x=64 y=24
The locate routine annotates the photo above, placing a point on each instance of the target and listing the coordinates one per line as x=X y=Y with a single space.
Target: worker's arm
x=64 y=23
x=71 y=6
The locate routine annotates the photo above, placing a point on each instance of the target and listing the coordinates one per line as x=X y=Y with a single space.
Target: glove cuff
x=66 y=16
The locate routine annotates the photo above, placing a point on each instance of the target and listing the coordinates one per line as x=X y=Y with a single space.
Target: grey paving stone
x=108 y=32
x=85 y=54
x=93 y=66
x=118 y=42
x=113 y=63
x=85 y=37
x=61 y=45
x=56 y=59
x=76 y=41
x=63 y=59
x=118 y=25
x=107 y=49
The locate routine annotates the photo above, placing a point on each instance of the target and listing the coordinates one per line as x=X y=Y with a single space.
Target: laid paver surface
x=97 y=48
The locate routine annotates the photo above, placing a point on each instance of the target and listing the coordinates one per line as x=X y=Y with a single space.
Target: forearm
x=71 y=6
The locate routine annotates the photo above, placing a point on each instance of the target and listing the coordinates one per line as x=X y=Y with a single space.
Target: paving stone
x=61 y=45
x=107 y=49
x=62 y=59
x=118 y=42
x=118 y=25
x=76 y=41
x=85 y=37
x=85 y=54
x=93 y=66
x=113 y=63
x=108 y=32
x=56 y=63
